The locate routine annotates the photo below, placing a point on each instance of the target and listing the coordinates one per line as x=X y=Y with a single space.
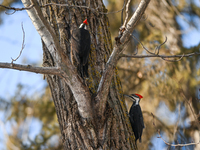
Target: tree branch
x=157 y=54
x=161 y=56
x=17 y=9
x=41 y=70
x=127 y=10
x=103 y=88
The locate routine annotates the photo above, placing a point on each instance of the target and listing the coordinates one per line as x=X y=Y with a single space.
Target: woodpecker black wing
x=141 y=127
x=80 y=49
x=84 y=45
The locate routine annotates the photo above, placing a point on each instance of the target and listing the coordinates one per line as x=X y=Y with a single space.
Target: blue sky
x=11 y=41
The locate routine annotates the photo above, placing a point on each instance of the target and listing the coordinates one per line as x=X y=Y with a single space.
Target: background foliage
x=170 y=89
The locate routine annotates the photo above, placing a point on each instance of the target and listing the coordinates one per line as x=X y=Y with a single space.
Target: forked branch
x=156 y=53
x=123 y=38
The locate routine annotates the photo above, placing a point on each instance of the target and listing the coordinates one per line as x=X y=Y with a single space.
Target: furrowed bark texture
x=110 y=130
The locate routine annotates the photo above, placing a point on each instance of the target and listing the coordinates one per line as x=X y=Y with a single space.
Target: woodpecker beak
x=132 y=96
x=128 y=96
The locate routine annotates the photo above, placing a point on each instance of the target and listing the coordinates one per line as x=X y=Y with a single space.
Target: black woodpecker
x=80 y=48
x=135 y=116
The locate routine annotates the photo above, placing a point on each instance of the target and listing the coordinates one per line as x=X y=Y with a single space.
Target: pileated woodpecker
x=80 y=48
x=135 y=116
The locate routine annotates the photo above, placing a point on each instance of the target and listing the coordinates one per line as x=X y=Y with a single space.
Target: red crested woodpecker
x=80 y=48
x=135 y=116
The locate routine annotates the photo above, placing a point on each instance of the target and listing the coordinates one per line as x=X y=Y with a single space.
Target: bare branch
x=145 y=47
x=161 y=56
x=41 y=70
x=15 y=9
x=158 y=47
x=10 y=13
x=157 y=54
x=162 y=124
x=196 y=120
x=23 y=45
x=176 y=145
x=173 y=60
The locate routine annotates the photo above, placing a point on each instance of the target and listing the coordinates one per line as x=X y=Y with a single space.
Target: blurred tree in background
x=170 y=89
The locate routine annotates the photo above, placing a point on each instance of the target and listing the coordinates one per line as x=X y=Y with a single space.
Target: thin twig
x=173 y=60
x=142 y=44
x=157 y=55
x=158 y=47
x=23 y=45
x=162 y=124
x=176 y=145
x=161 y=56
x=17 y=9
x=10 y=13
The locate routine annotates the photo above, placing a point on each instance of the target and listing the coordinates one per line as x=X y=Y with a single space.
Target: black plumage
x=135 y=116
x=80 y=48
x=136 y=119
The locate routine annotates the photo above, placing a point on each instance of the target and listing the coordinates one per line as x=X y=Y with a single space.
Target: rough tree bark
x=91 y=112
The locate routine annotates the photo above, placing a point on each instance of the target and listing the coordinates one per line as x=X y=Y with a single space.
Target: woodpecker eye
x=134 y=96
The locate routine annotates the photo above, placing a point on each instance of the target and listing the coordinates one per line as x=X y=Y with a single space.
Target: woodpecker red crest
x=85 y=21
x=140 y=96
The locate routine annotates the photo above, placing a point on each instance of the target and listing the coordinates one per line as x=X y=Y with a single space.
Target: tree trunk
x=109 y=129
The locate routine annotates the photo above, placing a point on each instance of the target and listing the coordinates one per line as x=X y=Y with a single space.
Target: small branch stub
x=23 y=45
